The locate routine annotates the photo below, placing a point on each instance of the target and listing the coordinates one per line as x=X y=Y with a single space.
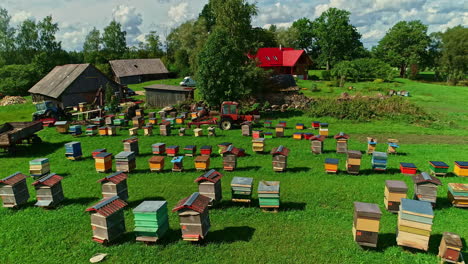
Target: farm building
x=160 y=95
x=71 y=84
x=284 y=61
x=138 y=70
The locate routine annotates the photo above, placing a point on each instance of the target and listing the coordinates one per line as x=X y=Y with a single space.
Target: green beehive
x=269 y=194
x=438 y=168
x=151 y=220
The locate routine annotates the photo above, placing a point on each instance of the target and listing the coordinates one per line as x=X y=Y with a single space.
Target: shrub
x=18 y=79
x=363 y=69
x=378 y=81
x=326 y=75
x=314 y=88
x=313 y=77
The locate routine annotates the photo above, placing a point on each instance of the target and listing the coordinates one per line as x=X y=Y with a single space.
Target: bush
x=364 y=69
x=313 y=77
x=378 y=81
x=314 y=88
x=326 y=75
x=18 y=79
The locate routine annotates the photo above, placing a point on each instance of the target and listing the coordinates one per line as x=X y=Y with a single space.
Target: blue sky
x=371 y=17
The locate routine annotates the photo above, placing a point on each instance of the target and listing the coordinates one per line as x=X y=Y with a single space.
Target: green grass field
x=313 y=225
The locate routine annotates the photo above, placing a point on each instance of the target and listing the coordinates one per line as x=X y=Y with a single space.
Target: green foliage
x=181 y=62
x=18 y=79
x=113 y=40
x=305 y=34
x=363 y=69
x=263 y=38
x=314 y=88
x=112 y=102
x=104 y=68
x=454 y=59
x=287 y=37
x=326 y=75
x=379 y=80
x=92 y=47
x=7 y=38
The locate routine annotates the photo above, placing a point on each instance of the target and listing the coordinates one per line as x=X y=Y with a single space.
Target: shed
x=107 y=219
x=115 y=185
x=71 y=84
x=49 y=190
x=161 y=95
x=193 y=216
x=14 y=190
x=280 y=158
x=209 y=185
x=138 y=70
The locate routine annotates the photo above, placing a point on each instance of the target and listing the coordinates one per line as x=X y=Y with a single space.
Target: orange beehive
x=156 y=163
x=103 y=162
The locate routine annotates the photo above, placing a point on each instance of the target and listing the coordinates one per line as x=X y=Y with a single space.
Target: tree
x=7 y=38
x=208 y=16
x=18 y=79
x=27 y=40
x=47 y=31
x=153 y=45
x=263 y=38
x=92 y=47
x=336 y=38
x=403 y=45
x=305 y=34
x=454 y=59
x=113 y=39
x=362 y=69
x=287 y=37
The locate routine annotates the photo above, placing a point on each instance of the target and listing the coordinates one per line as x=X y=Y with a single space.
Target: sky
x=372 y=18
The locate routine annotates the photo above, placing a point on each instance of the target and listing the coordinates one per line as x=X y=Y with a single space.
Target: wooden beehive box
x=353 y=161
x=341 y=142
x=450 y=248
x=153 y=120
x=297 y=135
x=458 y=194
x=268 y=135
x=159 y=148
x=109 y=120
x=139 y=113
x=438 y=168
x=394 y=192
x=49 y=192
x=115 y=185
x=190 y=150
x=73 y=150
x=209 y=185
x=152 y=115
x=13 y=190
x=212 y=131
x=316 y=125
x=246 y=128
x=257 y=134
x=223 y=146
x=39 y=167
x=258 y=145
x=182 y=131
x=366 y=224
x=112 y=131
x=198 y=132
x=107 y=219
x=316 y=144
x=269 y=194
x=156 y=163
x=206 y=150
x=151 y=221
x=165 y=129
x=103 y=162
x=307 y=136
x=229 y=158
x=103 y=131
x=131 y=144
x=138 y=121
x=461 y=168
x=392 y=146
x=180 y=120
x=300 y=126
x=193 y=216
x=62 y=126
x=331 y=165
x=371 y=144
x=279 y=131
x=202 y=163
x=172 y=151
x=267 y=124
x=407 y=168
x=241 y=189
x=425 y=187
x=323 y=130
x=177 y=163
x=125 y=161
x=148 y=130
x=280 y=158
x=133 y=131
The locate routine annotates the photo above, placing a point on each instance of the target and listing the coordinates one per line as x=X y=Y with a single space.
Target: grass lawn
x=313 y=225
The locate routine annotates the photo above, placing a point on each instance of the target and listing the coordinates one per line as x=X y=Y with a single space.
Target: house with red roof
x=284 y=61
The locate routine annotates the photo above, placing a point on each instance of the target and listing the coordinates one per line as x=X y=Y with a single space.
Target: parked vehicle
x=14 y=133
x=188 y=81
x=47 y=110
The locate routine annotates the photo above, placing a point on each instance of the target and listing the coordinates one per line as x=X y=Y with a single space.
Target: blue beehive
x=379 y=160
x=75 y=130
x=73 y=150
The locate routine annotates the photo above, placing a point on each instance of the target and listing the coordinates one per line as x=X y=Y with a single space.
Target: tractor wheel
x=225 y=124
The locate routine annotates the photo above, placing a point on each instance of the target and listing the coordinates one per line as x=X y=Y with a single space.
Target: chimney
x=281 y=46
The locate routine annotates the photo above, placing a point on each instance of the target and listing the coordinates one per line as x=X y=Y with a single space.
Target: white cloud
x=179 y=13
x=72 y=36
x=21 y=16
x=130 y=20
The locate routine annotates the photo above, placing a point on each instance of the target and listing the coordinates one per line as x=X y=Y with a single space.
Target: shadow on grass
x=298 y=169
x=248 y=168
x=434 y=243
x=34 y=150
x=391 y=171
x=230 y=235
x=385 y=241
x=224 y=204
x=292 y=206
x=135 y=203
x=443 y=203
x=80 y=201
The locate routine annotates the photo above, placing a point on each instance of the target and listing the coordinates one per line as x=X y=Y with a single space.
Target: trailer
x=14 y=133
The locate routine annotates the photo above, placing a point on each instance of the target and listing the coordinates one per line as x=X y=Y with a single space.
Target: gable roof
x=195 y=202
x=109 y=206
x=281 y=150
x=48 y=180
x=125 y=68
x=115 y=178
x=277 y=57
x=212 y=176
x=13 y=179
x=341 y=135
x=58 y=80
x=424 y=178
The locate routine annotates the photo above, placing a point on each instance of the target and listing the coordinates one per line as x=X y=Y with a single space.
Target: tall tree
x=336 y=38
x=263 y=38
x=153 y=45
x=7 y=38
x=208 y=16
x=92 y=47
x=27 y=40
x=113 y=39
x=305 y=34
x=454 y=59
x=287 y=37
x=47 y=41
x=403 y=45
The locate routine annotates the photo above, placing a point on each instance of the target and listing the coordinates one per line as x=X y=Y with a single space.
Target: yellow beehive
x=202 y=162
x=148 y=130
x=461 y=169
x=103 y=131
x=198 y=132
x=156 y=163
x=111 y=130
x=133 y=131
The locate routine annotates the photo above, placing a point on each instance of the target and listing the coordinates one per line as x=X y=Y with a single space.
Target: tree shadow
x=298 y=169
x=224 y=204
x=386 y=172
x=434 y=243
x=34 y=150
x=248 y=168
x=230 y=235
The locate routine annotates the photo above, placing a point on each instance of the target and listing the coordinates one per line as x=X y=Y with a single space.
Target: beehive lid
x=13 y=179
x=156 y=159
x=408 y=165
x=124 y=154
x=354 y=154
x=439 y=164
x=258 y=140
x=195 y=202
x=115 y=178
x=108 y=206
x=396 y=186
x=331 y=161
x=424 y=177
x=61 y=123
x=367 y=210
x=462 y=163
x=103 y=155
x=99 y=150
x=177 y=159
x=417 y=207
x=380 y=155
x=172 y=147
x=39 y=161
x=48 y=180
x=149 y=206
x=241 y=181
x=281 y=150
x=452 y=240
x=206 y=147
x=211 y=176
x=189 y=147
x=157 y=145
x=269 y=186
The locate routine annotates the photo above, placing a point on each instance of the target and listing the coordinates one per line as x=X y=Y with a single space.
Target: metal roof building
x=138 y=70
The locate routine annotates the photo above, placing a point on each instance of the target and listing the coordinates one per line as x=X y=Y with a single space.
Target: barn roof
x=277 y=57
x=135 y=67
x=195 y=202
x=168 y=87
x=115 y=178
x=109 y=206
x=58 y=80
x=212 y=176
x=48 y=180
x=13 y=179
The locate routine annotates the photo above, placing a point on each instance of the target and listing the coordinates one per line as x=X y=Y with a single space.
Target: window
x=268 y=58
x=274 y=57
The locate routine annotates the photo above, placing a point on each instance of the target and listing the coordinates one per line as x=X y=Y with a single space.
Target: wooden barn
x=138 y=70
x=161 y=95
x=71 y=84
x=193 y=216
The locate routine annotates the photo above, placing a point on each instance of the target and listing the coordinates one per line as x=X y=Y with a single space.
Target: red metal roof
x=48 y=180
x=195 y=202
x=318 y=137
x=13 y=179
x=115 y=178
x=290 y=57
x=341 y=135
x=107 y=207
x=281 y=150
x=278 y=57
x=212 y=176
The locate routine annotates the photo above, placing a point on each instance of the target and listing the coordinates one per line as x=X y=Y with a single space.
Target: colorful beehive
x=165 y=129
x=246 y=129
x=268 y=135
x=408 y=168
x=392 y=146
x=180 y=120
x=158 y=148
x=190 y=150
x=280 y=158
x=170 y=120
x=39 y=167
x=300 y=126
x=206 y=150
x=438 y=168
x=316 y=144
x=371 y=144
x=341 y=142
x=223 y=146
x=257 y=134
x=323 y=130
x=103 y=131
x=366 y=224
x=241 y=189
x=172 y=151
x=450 y=248
x=152 y=115
x=103 y=162
x=133 y=131
x=394 y=192
x=202 y=163
x=148 y=130
x=193 y=115
x=316 y=125
x=115 y=185
x=75 y=130
x=211 y=131
x=193 y=216
x=131 y=144
x=111 y=130
x=198 y=132
x=297 y=135
x=125 y=161
x=269 y=194
x=120 y=122
x=353 y=162
x=82 y=107
x=138 y=121
x=267 y=124
x=162 y=114
x=461 y=168
x=379 y=161
x=73 y=150
x=156 y=163
x=425 y=187
x=139 y=113
x=209 y=185
x=151 y=221
x=458 y=194
x=229 y=158
x=13 y=190
x=62 y=126
x=308 y=136
x=107 y=219
x=279 y=131
x=177 y=163
x=414 y=224
x=91 y=130
x=49 y=192
x=122 y=116
x=153 y=120
x=98 y=121
x=109 y=120
x=258 y=145
x=331 y=165
x=182 y=131
x=282 y=123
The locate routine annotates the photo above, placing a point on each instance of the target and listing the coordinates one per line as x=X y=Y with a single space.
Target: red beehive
x=408 y=168
x=206 y=150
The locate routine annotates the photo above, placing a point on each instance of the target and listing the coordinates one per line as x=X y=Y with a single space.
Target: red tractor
x=230 y=116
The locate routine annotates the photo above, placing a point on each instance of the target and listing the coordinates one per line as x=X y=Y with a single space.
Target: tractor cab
x=48 y=110
x=41 y=108
x=229 y=108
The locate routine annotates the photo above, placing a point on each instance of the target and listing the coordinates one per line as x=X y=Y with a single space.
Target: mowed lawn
x=313 y=225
